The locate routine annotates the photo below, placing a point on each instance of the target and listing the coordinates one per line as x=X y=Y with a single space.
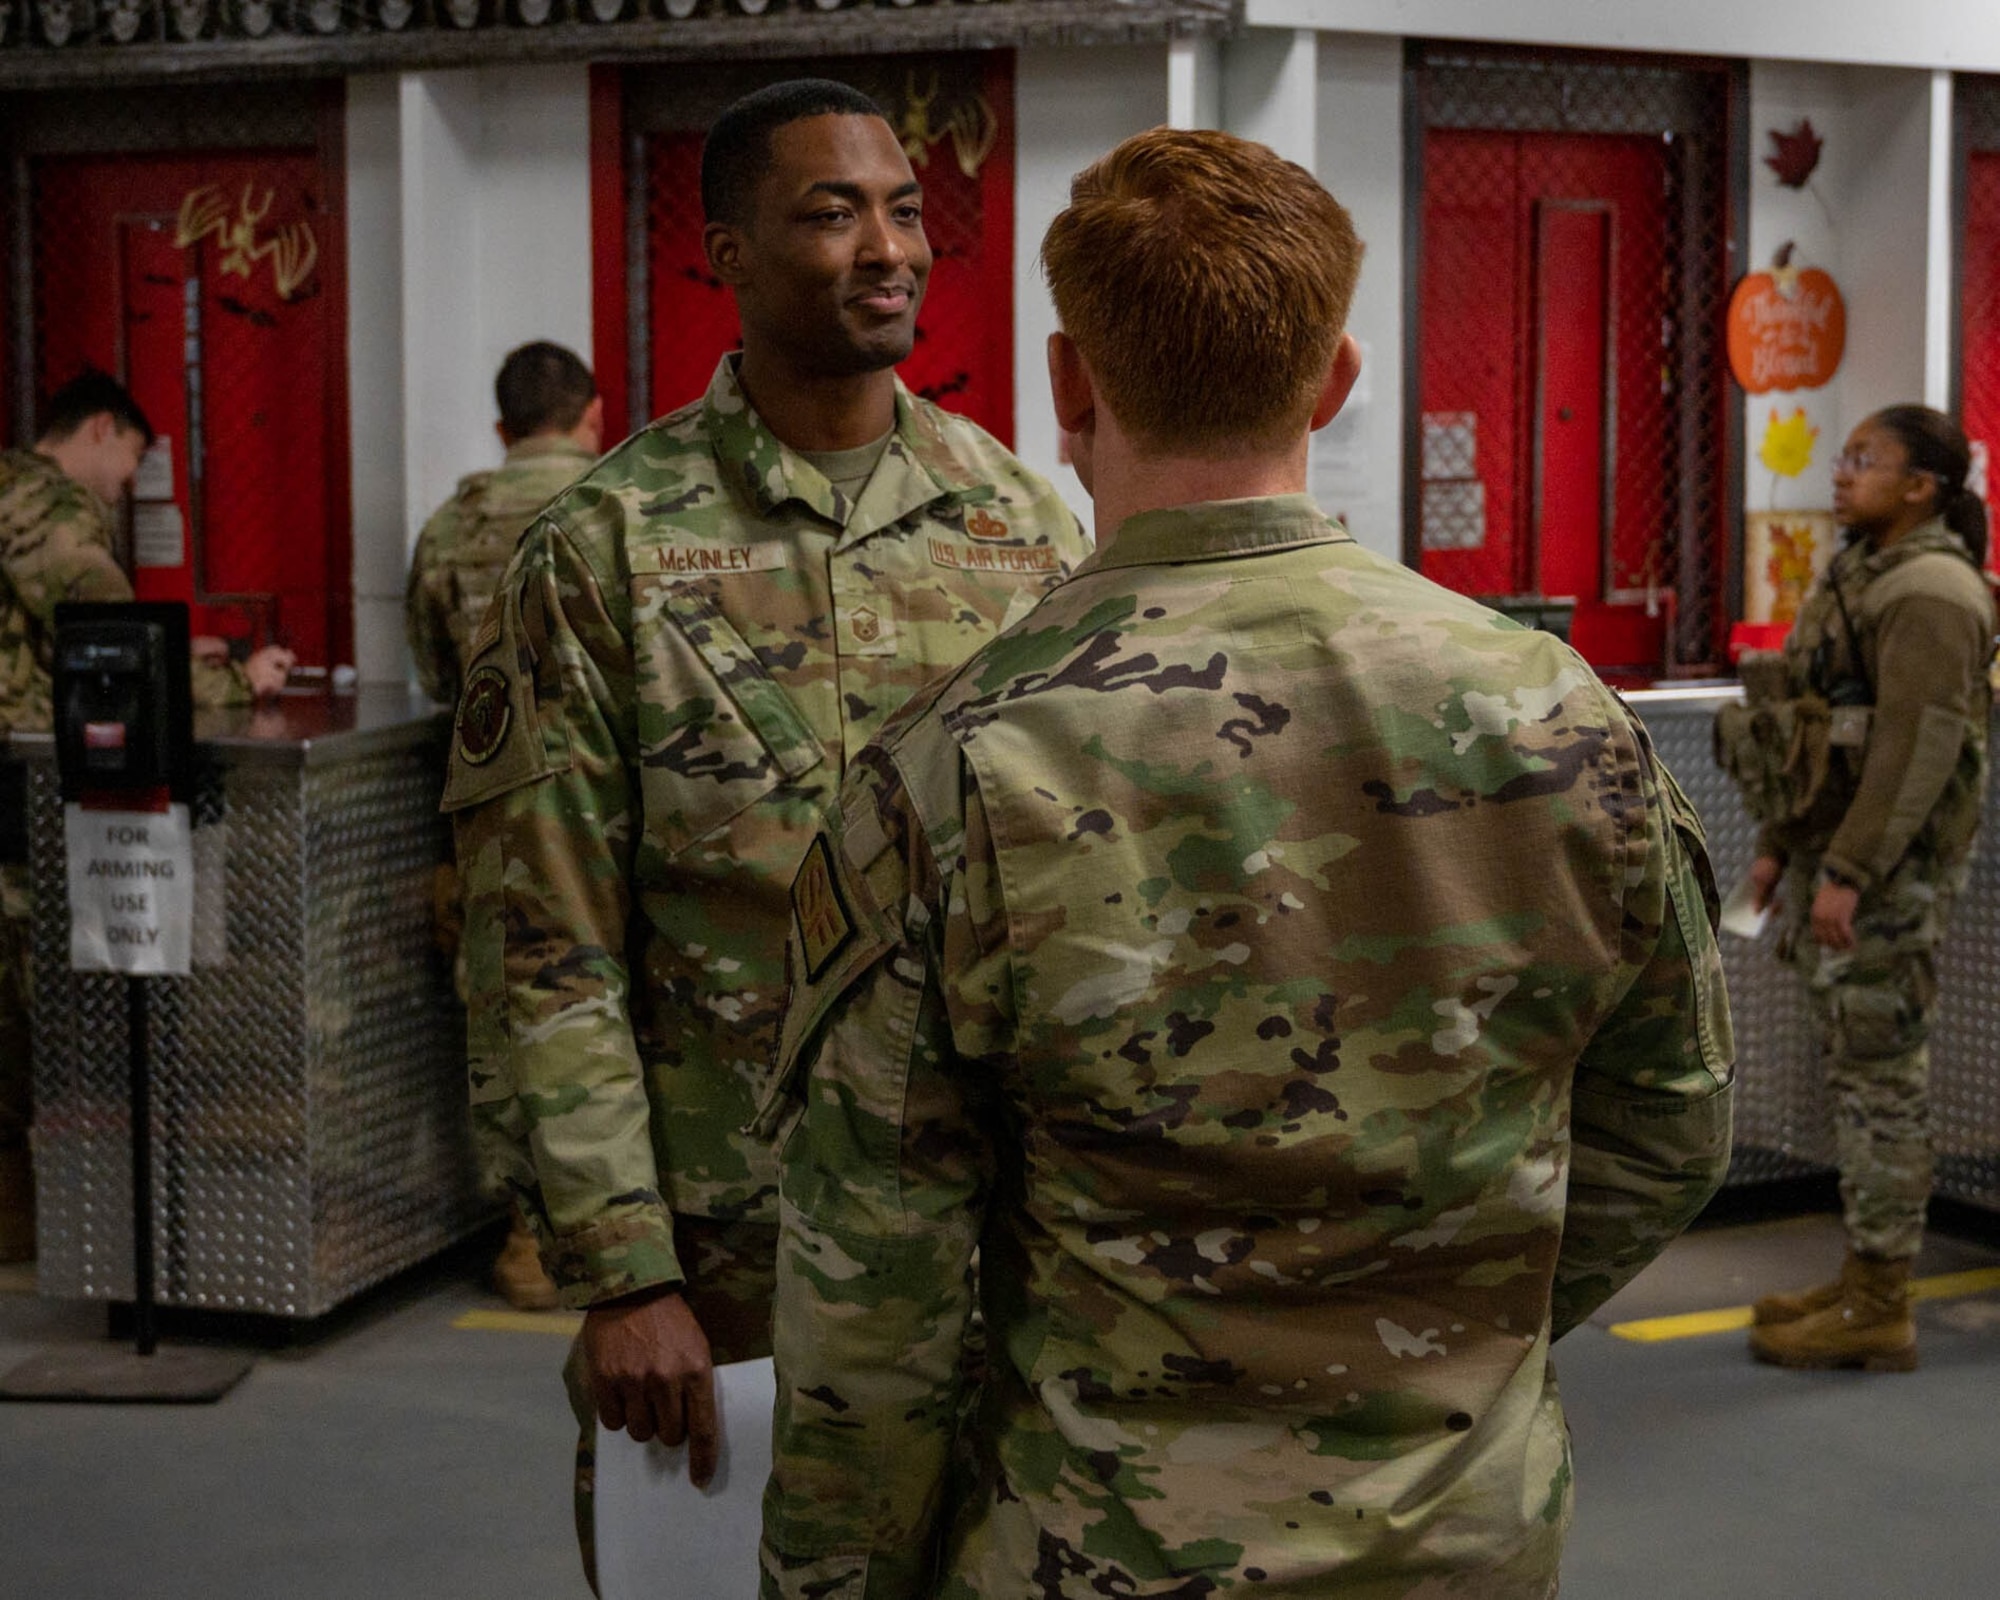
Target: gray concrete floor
x=396 y=1455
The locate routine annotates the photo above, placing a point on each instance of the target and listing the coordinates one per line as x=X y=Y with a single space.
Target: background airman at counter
x=1861 y=752
x=552 y=424
x=56 y=510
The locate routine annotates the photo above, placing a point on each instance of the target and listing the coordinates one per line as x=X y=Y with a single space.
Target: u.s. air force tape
x=825 y=924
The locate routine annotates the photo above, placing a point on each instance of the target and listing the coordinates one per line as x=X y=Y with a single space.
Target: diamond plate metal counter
x=1783 y=1122
x=309 y=1100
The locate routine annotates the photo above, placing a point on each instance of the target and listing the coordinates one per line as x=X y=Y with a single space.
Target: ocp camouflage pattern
x=1916 y=653
x=465 y=547
x=55 y=545
x=1898 y=817
x=694 y=638
x=1298 y=984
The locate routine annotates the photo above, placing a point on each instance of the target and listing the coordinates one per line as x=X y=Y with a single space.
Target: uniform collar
x=1216 y=529
x=547 y=444
x=1926 y=538
x=916 y=470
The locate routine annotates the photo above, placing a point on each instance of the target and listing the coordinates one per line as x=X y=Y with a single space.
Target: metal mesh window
x=1978 y=102
x=189 y=243
x=1537 y=174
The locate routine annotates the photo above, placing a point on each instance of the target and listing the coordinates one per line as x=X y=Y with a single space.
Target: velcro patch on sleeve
x=820 y=909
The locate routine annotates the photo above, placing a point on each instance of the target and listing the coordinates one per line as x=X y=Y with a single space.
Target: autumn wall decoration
x=1787 y=327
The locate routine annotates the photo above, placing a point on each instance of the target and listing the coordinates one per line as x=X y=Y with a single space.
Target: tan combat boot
x=17 y=1205
x=1775 y=1308
x=1869 y=1326
x=518 y=1273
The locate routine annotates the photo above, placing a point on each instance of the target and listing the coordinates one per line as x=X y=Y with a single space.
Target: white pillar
x=1357 y=459
x=375 y=374
x=1194 y=83
x=447 y=431
x=1940 y=254
x=1270 y=90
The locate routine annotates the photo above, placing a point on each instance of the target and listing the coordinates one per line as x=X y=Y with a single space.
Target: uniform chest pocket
x=716 y=731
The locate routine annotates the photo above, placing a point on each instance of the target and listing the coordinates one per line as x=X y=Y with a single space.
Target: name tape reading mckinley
x=131 y=890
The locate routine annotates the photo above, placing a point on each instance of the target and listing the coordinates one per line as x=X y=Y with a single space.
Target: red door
x=209 y=284
x=1547 y=410
x=1980 y=330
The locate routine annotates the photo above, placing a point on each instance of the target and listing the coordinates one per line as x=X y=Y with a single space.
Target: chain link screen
x=1507 y=142
x=170 y=245
x=1979 y=280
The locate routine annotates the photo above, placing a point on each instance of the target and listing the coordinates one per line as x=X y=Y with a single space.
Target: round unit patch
x=484 y=715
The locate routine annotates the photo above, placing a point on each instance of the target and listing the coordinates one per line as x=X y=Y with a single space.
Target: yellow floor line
x=1693 y=1324
x=563 y=1322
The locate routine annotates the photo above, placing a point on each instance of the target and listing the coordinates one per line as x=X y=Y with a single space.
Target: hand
x=267 y=669
x=1765 y=874
x=207 y=647
x=1833 y=916
x=650 y=1374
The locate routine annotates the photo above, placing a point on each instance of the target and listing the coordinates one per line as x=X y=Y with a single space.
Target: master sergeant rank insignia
x=821 y=913
x=484 y=715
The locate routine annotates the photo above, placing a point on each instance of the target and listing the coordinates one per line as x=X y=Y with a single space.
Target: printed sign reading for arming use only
x=131 y=890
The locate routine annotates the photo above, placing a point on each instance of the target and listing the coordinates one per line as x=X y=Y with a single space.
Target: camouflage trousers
x=732 y=1276
x=1874 y=1006
x=16 y=986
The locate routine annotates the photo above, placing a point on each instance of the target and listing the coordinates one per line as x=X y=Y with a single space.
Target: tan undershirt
x=849 y=470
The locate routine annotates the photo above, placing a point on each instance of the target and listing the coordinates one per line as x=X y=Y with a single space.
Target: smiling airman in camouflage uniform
x=1297 y=983
x=692 y=642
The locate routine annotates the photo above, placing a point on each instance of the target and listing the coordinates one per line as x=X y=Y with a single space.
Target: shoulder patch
x=485 y=715
x=825 y=924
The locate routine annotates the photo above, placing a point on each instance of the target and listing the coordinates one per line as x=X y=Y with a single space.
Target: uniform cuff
x=630 y=1250
x=1848 y=874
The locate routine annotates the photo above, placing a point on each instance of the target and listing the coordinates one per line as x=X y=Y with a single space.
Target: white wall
x=1358 y=458
x=1070 y=107
x=1864 y=217
x=469 y=234
x=375 y=373
x=1959 y=34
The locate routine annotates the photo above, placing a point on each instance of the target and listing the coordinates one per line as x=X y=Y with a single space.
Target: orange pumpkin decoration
x=1787 y=327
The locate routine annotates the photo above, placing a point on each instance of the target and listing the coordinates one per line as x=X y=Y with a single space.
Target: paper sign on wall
x=158 y=535
x=131 y=890
x=155 y=479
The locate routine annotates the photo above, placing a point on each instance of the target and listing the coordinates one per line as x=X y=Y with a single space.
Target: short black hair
x=542 y=388
x=87 y=395
x=737 y=152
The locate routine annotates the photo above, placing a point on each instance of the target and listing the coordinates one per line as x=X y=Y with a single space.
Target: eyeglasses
x=1856 y=462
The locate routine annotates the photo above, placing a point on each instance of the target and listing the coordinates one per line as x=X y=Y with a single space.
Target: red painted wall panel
x=266 y=542
x=1979 y=310
x=1481 y=344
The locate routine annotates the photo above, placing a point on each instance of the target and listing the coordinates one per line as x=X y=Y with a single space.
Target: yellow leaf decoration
x=1788 y=445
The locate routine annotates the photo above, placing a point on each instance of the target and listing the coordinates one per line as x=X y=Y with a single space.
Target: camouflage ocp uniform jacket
x=1910 y=648
x=55 y=545
x=466 y=546
x=1299 y=984
x=689 y=646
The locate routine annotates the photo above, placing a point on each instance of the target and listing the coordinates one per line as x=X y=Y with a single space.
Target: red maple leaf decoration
x=1798 y=154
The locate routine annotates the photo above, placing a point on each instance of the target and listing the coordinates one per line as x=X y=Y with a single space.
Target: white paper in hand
x=1740 y=915
x=661 y=1538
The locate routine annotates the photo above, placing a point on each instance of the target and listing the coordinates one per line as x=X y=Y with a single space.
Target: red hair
x=1206 y=280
